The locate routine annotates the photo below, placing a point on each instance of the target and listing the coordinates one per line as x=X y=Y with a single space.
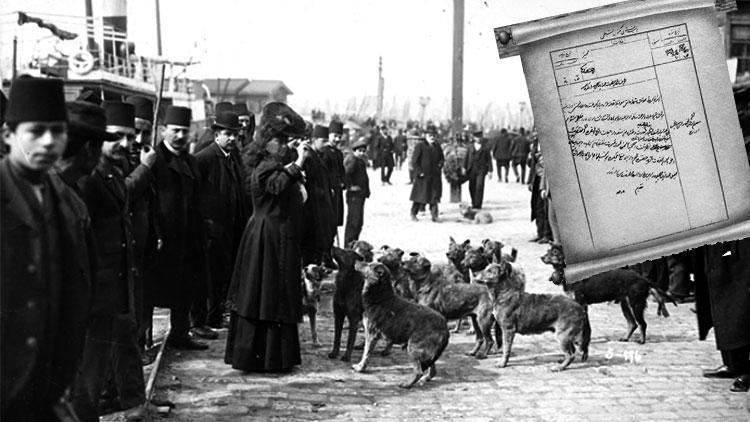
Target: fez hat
x=227 y=120
x=359 y=144
x=280 y=119
x=36 y=99
x=120 y=117
x=88 y=121
x=222 y=107
x=336 y=127
x=241 y=109
x=178 y=116
x=320 y=132
x=144 y=108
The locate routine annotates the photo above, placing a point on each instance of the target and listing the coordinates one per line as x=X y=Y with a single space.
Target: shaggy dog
x=525 y=313
x=402 y=284
x=622 y=285
x=347 y=300
x=363 y=248
x=456 y=253
x=453 y=300
x=424 y=331
x=313 y=276
x=477 y=216
x=494 y=248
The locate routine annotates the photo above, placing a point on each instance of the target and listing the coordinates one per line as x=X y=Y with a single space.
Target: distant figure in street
x=519 y=152
x=501 y=153
x=399 y=148
x=427 y=162
x=357 y=190
x=265 y=295
x=478 y=163
x=385 y=155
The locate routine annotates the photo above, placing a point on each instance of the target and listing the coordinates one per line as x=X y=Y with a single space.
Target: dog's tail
x=585 y=337
x=513 y=254
x=660 y=296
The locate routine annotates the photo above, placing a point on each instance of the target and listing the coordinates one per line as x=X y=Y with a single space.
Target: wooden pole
x=458 y=66
x=158 y=29
x=15 y=59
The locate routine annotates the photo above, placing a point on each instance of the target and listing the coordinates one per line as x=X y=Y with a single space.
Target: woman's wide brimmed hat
x=280 y=119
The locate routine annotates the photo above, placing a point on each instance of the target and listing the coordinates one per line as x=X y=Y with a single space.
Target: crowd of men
x=100 y=224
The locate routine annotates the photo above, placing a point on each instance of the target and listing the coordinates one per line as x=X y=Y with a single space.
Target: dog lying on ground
x=477 y=216
x=347 y=300
x=525 y=313
x=453 y=300
x=312 y=279
x=423 y=330
x=625 y=286
x=363 y=248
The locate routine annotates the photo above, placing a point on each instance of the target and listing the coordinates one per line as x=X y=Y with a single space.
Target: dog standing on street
x=347 y=300
x=313 y=276
x=423 y=330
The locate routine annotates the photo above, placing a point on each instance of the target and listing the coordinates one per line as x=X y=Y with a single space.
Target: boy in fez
x=178 y=257
x=222 y=207
x=45 y=277
x=358 y=189
x=111 y=342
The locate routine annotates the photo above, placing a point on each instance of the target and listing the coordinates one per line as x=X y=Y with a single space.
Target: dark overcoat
x=723 y=294
x=222 y=197
x=266 y=282
x=478 y=162
x=501 y=147
x=427 y=162
x=106 y=197
x=333 y=159
x=25 y=321
x=385 y=151
x=178 y=264
x=318 y=226
x=356 y=175
x=520 y=146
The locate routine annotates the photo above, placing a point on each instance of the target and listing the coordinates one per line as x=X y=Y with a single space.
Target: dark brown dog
x=625 y=286
x=313 y=276
x=525 y=313
x=423 y=330
x=363 y=248
x=494 y=248
x=456 y=253
x=453 y=300
x=402 y=284
x=347 y=300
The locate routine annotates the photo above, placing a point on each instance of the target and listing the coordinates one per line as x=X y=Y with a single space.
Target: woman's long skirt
x=262 y=346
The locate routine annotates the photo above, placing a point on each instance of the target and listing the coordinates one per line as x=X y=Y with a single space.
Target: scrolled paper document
x=638 y=128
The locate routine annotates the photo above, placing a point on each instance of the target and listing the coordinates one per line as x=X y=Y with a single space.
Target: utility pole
x=381 y=82
x=158 y=28
x=457 y=104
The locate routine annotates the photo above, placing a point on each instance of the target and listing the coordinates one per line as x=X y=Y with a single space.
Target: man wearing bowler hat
x=205 y=137
x=110 y=340
x=357 y=190
x=478 y=162
x=177 y=261
x=222 y=206
x=427 y=161
x=45 y=276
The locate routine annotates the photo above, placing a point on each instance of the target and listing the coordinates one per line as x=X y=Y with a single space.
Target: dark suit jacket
x=478 y=162
x=222 y=197
x=170 y=276
x=23 y=325
x=356 y=175
x=501 y=147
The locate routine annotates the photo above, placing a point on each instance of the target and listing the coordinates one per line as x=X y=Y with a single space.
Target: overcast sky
x=327 y=51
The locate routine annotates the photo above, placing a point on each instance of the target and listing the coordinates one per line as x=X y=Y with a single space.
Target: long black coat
x=24 y=320
x=385 y=151
x=171 y=274
x=427 y=162
x=222 y=197
x=478 y=162
x=501 y=147
x=723 y=294
x=106 y=197
x=333 y=159
x=318 y=227
x=266 y=282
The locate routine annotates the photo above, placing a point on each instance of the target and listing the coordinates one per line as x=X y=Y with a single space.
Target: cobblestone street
x=660 y=380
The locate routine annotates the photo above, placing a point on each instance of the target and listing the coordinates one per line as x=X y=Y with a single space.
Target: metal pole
x=458 y=66
x=158 y=28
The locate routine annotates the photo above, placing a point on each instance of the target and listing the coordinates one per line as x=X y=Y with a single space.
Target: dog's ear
x=385 y=248
x=484 y=242
x=399 y=252
x=452 y=241
x=466 y=243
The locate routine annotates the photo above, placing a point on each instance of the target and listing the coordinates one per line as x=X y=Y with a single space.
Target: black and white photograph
x=374 y=210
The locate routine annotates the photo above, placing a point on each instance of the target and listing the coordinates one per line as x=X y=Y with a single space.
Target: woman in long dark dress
x=265 y=294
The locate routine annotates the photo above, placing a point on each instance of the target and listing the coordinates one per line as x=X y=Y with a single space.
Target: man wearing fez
x=357 y=190
x=222 y=207
x=111 y=337
x=205 y=137
x=478 y=162
x=46 y=273
x=333 y=159
x=427 y=161
x=247 y=121
x=178 y=258
x=318 y=222
x=142 y=203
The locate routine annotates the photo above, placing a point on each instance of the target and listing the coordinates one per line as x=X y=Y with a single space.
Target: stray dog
x=494 y=248
x=622 y=285
x=477 y=216
x=477 y=259
x=363 y=248
x=313 y=276
x=456 y=253
x=525 y=313
x=423 y=330
x=347 y=300
x=453 y=300
x=402 y=284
